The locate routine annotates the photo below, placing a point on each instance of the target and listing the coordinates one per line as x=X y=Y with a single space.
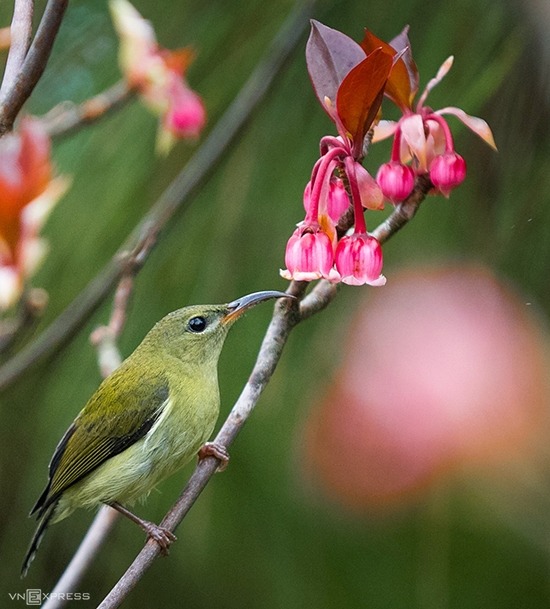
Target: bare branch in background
x=20 y=39
x=23 y=84
x=92 y=543
x=30 y=309
x=68 y=117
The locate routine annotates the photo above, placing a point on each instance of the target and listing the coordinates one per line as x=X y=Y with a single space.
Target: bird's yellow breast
x=186 y=422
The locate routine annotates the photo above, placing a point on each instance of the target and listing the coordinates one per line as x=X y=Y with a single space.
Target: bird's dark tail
x=37 y=538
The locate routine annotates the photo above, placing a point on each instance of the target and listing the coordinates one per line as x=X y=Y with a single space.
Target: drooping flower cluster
x=350 y=81
x=28 y=193
x=158 y=75
x=423 y=143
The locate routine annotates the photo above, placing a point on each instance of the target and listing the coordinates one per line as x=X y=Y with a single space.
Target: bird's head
x=196 y=334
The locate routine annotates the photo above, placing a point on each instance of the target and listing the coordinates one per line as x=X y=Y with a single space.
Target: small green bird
x=145 y=421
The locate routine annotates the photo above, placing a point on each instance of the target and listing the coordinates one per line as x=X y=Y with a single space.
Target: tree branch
x=35 y=62
x=67 y=117
x=29 y=310
x=20 y=39
x=92 y=543
x=104 y=338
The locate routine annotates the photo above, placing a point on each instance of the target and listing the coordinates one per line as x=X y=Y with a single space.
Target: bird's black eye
x=197 y=324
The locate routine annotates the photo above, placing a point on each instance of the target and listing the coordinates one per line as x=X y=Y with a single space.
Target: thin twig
x=173 y=199
x=29 y=310
x=104 y=338
x=34 y=65
x=66 y=117
x=20 y=39
x=89 y=547
x=404 y=212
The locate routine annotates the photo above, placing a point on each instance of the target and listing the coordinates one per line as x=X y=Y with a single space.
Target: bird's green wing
x=122 y=411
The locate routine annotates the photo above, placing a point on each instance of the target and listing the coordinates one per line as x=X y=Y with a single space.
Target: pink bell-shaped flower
x=309 y=254
x=447 y=171
x=359 y=260
x=396 y=181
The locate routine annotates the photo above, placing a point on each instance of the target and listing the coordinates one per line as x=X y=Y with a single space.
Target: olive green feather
x=134 y=402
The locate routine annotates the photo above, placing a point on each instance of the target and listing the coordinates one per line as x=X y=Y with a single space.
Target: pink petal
x=378 y=282
x=10 y=286
x=371 y=194
x=412 y=132
x=383 y=130
x=441 y=73
x=475 y=124
x=299 y=275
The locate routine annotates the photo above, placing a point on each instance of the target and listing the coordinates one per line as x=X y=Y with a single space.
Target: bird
x=145 y=421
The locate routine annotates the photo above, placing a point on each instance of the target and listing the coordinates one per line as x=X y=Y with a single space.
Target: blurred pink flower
x=444 y=369
x=158 y=75
x=28 y=192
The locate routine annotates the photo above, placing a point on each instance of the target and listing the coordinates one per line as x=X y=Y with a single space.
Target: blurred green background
x=259 y=536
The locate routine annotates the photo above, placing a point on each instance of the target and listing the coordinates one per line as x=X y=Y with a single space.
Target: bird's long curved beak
x=236 y=308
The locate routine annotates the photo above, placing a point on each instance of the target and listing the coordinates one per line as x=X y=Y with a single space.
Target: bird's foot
x=211 y=449
x=162 y=536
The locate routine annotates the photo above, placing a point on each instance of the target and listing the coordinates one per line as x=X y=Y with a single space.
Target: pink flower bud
x=186 y=115
x=371 y=194
x=309 y=254
x=338 y=200
x=395 y=180
x=447 y=171
x=358 y=260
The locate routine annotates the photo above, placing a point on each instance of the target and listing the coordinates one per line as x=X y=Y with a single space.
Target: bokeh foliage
x=259 y=536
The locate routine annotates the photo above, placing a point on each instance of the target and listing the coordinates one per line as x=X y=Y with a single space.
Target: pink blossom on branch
x=358 y=260
x=422 y=136
x=350 y=85
x=396 y=180
x=309 y=254
x=158 y=75
x=447 y=171
x=350 y=81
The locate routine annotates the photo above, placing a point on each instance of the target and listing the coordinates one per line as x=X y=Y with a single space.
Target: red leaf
x=330 y=55
x=403 y=81
x=401 y=43
x=360 y=95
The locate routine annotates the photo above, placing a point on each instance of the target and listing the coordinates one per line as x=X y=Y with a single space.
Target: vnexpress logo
x=35 y=596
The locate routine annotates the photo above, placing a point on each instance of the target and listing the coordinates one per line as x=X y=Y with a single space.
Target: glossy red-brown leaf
x=360 y=94
x=402 y=45
x=403 y=81
x=330 y=55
